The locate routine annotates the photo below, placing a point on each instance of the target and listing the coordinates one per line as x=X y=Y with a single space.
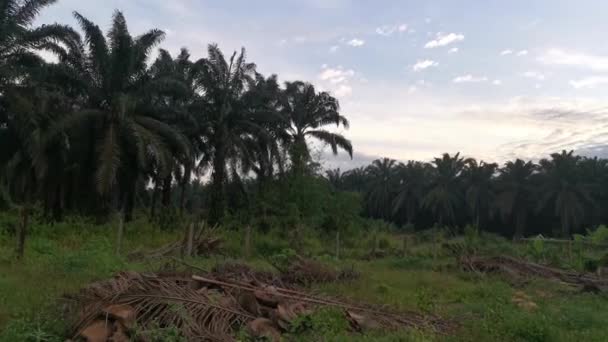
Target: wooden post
x=121 y=228
x=248 y=241
x=22 y=234
x=338 y=245
x=190 y=240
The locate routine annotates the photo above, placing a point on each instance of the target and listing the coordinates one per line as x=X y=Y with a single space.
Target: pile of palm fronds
x=206 y=308
x=521 y=270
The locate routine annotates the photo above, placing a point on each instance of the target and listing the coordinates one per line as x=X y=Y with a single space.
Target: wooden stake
x=22 y=234
x=248 y=241
x=190 y=241
x=121 y=228
x=338 y=245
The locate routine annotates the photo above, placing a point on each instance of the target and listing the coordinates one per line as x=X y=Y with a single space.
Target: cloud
x=424 y=64
x=497 y=82
x=589 y=82
x=337 y=80
x=356 y=42
x=469 y=79
x=334 y=48
x=336 y=75
x=574 y=59
x=388 y=30
x=522 y=53
x=506 y=52
x=534 y=75
x=453 y=50
x=444 y=39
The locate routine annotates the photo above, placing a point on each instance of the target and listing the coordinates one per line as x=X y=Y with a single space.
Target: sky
x=492 y=79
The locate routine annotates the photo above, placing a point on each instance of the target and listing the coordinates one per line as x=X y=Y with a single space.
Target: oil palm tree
x=479 y=188
x=444 y=197
x=383 y=180
x=564 y=189
x=413 y=182
x=308 y=112
x=515 y=193
x=112 y=121
x=230 y=123
x=18 y=39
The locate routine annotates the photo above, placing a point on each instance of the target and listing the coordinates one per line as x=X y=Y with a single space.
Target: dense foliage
x=108 y=129
x=560 y=195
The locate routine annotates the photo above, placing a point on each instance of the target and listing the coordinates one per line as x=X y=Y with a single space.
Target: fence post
x=248 y=241
x=338 y=245
x=121 y=228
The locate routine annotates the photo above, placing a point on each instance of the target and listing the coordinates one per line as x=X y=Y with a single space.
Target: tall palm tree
x=445 y=194
x=307 y=112
x=230 y=124
x=564 y=190
x=113 y=122
x=177 y=98
x=479 y=193
x=383 y=180
x=413 y=182
x=515 y=193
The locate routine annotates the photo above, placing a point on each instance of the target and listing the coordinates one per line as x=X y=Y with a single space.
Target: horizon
x=495 y=81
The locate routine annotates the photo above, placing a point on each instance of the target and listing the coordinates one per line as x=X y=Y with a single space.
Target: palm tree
x=445 y=194
x=335 y=178
x=413 y=182
x=383 y=181
x=230 y=124
x=563 y=189
x=515 y=193
x=18 y=39
x=479 y=193
x=355 y=179
x=113 y=123
x=177 y=98
x=307 y=113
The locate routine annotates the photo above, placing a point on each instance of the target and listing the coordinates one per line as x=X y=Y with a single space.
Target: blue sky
x=491 y=79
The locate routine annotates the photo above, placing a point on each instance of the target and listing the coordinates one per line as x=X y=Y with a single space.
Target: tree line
x=559 y=195
x=108 y=128
x=90 y=132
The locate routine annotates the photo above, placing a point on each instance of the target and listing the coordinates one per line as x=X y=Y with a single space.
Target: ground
x=419 y=277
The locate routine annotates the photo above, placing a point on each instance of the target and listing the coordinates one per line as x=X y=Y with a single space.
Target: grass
x=62 y=258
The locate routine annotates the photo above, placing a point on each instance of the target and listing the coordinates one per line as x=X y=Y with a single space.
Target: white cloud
x=444 y=39
x=589 y=82
x=522 y=53
x=334 y=48
x=576 y=59
x=497 y=82
x=453 y=50
x=356 y=42
x=424 y=64
x=469 y=79
x=506 y=52
x=343 y=90
x=388 y=30
x=534 y=75
x=337 y=80
x=336 y=75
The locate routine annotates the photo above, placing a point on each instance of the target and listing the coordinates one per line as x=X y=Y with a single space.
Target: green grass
x=62 y=258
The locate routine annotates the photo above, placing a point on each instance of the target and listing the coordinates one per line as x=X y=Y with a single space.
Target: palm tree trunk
x=155 y=192
x=166 y=191
x=218 y=177
x=185 y=180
